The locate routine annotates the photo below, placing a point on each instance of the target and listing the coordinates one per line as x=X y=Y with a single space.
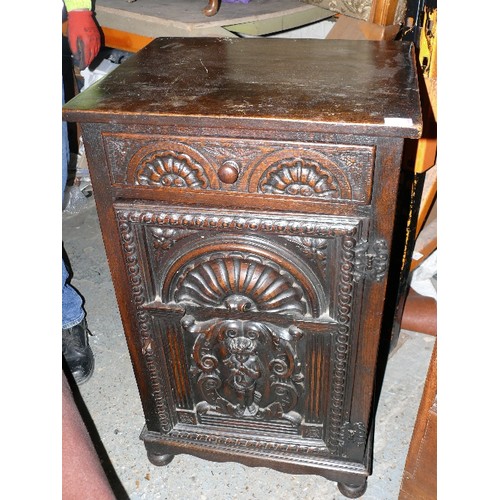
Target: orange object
x=122 y=40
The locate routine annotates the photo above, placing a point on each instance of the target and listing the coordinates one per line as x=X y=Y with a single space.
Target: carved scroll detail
x=235 y=362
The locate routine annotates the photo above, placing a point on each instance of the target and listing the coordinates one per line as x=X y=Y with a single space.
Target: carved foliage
x=359 y=9
x=315 y=248
x=164 y=238
x=246 y=368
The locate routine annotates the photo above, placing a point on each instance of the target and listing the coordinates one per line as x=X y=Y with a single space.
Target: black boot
x=77 y=353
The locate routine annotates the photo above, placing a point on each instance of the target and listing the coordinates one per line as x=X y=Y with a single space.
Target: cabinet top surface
x=346 y=86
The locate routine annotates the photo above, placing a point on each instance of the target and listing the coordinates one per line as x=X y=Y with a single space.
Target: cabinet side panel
x=375 y=302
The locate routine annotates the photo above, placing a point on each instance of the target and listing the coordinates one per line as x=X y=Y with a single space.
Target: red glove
x=83 y=36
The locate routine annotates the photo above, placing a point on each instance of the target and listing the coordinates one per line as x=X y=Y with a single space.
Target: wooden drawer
x=325 y=173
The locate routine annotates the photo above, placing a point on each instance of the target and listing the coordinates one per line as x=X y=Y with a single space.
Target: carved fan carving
x=171 y=169
x=303 y=177
x=240 y=282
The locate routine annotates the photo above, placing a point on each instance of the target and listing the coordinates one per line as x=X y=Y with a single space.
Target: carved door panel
x=248 y=323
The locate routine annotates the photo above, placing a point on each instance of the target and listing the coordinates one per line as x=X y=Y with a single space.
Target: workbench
x=130 y=26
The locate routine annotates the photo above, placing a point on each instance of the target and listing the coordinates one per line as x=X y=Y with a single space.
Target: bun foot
x=160 y=459
x=352 y=491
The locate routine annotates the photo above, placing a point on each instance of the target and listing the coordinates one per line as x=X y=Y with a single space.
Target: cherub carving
x=245 y=369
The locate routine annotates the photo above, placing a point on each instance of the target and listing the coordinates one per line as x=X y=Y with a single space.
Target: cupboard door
x=248 y=325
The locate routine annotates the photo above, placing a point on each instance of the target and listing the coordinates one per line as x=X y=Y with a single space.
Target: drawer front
x=309 y=171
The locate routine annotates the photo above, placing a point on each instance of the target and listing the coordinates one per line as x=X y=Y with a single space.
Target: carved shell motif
x=171 y=169
x=240 y=283
x=300 y=177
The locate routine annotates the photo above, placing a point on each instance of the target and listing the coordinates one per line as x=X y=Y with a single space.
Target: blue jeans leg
x=72 y=303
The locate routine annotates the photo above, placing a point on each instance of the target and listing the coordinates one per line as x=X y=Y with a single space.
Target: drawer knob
x=228 y=172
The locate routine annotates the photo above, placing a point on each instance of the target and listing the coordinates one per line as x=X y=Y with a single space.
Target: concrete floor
x=115 y=417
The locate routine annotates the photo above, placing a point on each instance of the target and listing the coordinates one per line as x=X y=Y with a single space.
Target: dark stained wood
x=246 y=191
x=343 y=85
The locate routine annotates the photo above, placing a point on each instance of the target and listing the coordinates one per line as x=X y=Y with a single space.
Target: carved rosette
x=315 y=248
x=171 y=169
x=303 y=177
x=163 y=238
